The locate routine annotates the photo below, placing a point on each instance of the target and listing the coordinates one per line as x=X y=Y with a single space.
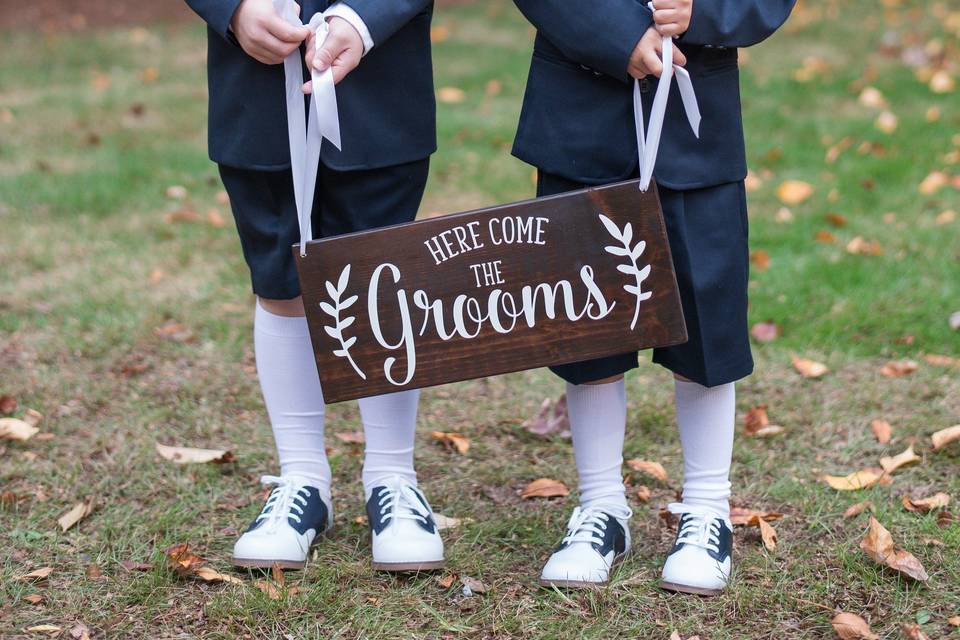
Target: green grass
x=84 y=165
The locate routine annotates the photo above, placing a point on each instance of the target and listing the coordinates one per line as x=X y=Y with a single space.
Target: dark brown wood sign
x=542 y=282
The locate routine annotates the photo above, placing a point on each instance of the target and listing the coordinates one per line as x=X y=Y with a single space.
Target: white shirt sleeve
x=341 y=10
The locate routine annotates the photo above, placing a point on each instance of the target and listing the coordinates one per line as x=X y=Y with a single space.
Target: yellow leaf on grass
x=945 y=436
x=923 y=505
x=860 y=247
x=451 y=95
x=740 y=516
x=458 y=441
x=445 y=522
x=850 y=626
x=899 y=368
x=648 y=467
x=80 y=511
x=16 y=429
x=934 y=181
x=545 y=488
x=941 y=361
x=793 y=192
x=45 y=628
x=856 y=480
x=881 y=430
x=809 y=368
x=857 y=509
x=756 y=423
x=768 y=534
x=892 y=463
x=886 y=122
x=208 y=574
x=878 y=545
x=190 y=455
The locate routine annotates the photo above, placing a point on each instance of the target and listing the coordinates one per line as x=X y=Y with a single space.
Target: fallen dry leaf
x=760 y=259
x=277 y=572
x=80 y=511
x=268 y=588
x=8 y=404
x=825 y=237
x=182 y=560
x=175 y=331
x=859 y=246
x=209 y=574
x=130 y=565
x=189 y=455
x=836 y=219
x=886 y=122
x=545 y=488
x=45 y=628
x=809 y=368
x=36 y=575
x=881 y=430
x=176 y=192
x=472 y=585
x=643 y=493
x=878 y=545
x=765 y=331
x=16 y=429
x=455 y=440
x=872 y=97
x=740 y=516
x=923 y=505
x=34 y=598
x=945 y=217
x=856 y=509
x=792 y=192
x=350 y=437
x=954 y=621
x=654 y=469
x=445 y=522
x=446 y=581
x=912 y=631
x=945 y=519
x=942 y=82
x=451 y=95
x=850 y=626
x=934 y=181
x=856 y=480
x=80 y=632
x=944 y=437
x=768 y=534
x=215 y=218
x=552 y=417
x=899 y=368
x=941 y=361
x=756 y=423
x=892 y=463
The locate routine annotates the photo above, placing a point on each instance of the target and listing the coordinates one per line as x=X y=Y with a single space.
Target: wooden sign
x=548 y=281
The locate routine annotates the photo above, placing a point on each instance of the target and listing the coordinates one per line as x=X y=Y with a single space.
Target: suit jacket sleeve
x=601 y=36
x=216 y=13
x=735 y=23
x=385 y=17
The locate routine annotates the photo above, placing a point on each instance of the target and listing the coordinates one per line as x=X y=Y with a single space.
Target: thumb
x=678 y=57
x=325 y=56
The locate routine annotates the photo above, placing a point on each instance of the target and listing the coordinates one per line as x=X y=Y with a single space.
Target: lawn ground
x=96 y=125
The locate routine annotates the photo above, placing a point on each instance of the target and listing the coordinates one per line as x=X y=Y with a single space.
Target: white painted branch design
x=334 y=310
x=625 y=237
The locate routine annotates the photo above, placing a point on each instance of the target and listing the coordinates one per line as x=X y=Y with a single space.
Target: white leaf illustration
x=625 y=237
x=644 y=273
x=344 y=278
x=333 y=293
x=628 y=269
x=332 y=332
x=612 y=229
x=340 y=353
x=328 y=309
x=346 y=322
x=632 y=288
x=346 y=304
x=638 y=250
x=334 y=310
x=349 y=343
x=627 y=234
x=617 y=251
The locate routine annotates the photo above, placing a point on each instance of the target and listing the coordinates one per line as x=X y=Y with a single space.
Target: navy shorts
x=707 y=230
x=345 y=201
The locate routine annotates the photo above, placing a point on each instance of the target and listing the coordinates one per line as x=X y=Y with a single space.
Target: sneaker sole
x=265 y=563
x=682 y=588
x=408 y=567
x=581 y=584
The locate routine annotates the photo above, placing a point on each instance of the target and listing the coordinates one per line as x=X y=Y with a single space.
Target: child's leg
x=389 y=427
x=598 y=417
x=705 y=416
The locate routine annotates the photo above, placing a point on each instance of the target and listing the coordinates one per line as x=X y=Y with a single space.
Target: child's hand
x=672 y=17
x=647 y=57
x=342 y=51
x=263 y=34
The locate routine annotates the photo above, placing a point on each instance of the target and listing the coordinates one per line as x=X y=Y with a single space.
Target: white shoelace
x=589 y=524
x=287 y=500
x=399 y=501
x=701 y=527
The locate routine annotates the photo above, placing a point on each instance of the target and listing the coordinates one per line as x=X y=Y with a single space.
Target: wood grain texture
x=436 y=263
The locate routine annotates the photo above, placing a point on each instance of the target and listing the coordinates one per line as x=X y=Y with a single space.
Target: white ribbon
x=323 y=123
x=648 y=142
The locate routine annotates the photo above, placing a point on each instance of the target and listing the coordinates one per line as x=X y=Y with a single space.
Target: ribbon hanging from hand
x=648 y=141
x=307 y=131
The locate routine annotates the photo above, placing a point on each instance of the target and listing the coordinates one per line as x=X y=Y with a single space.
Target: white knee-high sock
x=598 y=419
x=291 y=391
x=389 y=428
x=706 y=419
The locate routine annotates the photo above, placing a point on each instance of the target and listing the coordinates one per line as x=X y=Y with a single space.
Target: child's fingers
x=670 y=30
x=666 y=16
x=283 y=30
x=307 y=87
x=652 y=62
x=665 y=4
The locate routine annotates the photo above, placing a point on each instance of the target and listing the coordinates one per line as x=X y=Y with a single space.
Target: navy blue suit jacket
x=577 y=118
x=386 y=105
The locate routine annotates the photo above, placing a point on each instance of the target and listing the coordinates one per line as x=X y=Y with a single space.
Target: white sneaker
x=598 y=537
x=700 y=561
x=289 y=523
x=404 y=534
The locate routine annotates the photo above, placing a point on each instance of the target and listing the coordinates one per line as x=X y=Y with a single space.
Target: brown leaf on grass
x=912 y=631
x=182 y=560
x=32 y=417
x=945 y=519
x=954 y=621
x=756 y=423
x=268 y=588
x=552 y=417
x=545 y=488
x=452 y=440
x=175 y=331
x=944 y=437
x=768 y=534
x=856 y=480
x=892 y=463
x=825 y=237
x=941 y=361
x=765 y=331
x=856 y=509
x=942 y=82
x=189 y=455
x=176 y=192
x=923 y=505
x=850 y=626
x=451 y=95
x=881 y=430
x=809 y=368
x=276 y=571
x=80 y=632
x=654 y=469
x=945 y=217
x=934 y=181
x=209 y=574
x=740 y=516
x=350 y=437
x=859 y=246
x=215 y=219
x=186 y=213
x=130 y=565
x=8 y=404
x=886 y=122
x=34 y=598
x=760 y=259
x=446 y=581
x=94 y=571
x=878 y=545
x=36 y=575
x=899 y=368
x=473 y=585
x=52 y=629
x=872 y=97
x=79 y=511
x=793 y=192
x=16 y=429
x=836 y=219
x=445 y=522
x=643 y=493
